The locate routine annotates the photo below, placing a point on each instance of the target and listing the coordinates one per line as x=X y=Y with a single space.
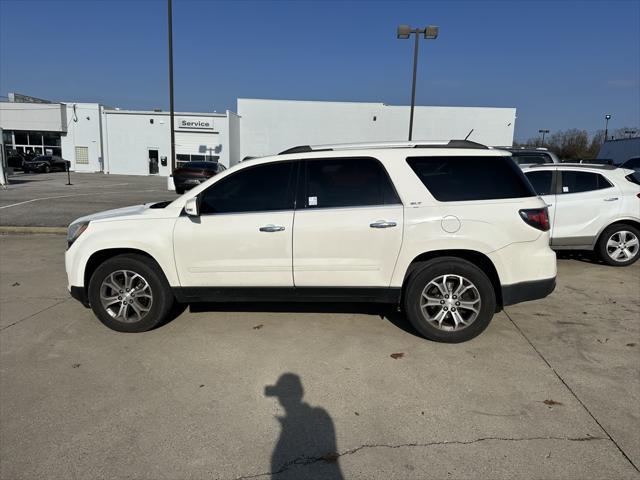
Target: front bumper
x=80 y=294
x=525 y=291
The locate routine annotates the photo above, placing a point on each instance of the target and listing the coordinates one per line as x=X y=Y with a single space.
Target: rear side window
x=255 y=189
x=529 y=158
x=541 y=181
x=576 y=182
x=451 y=179
x=348 y=182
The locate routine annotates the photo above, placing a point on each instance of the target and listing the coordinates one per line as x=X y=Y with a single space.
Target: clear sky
x=563 y=64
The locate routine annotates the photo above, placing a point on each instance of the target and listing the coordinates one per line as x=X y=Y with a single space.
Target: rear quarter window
x=451 y=179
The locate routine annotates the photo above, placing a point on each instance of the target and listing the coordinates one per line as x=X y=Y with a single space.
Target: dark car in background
x=191 y=174
x=15 y=161
x=44 y=164
x=531 y=156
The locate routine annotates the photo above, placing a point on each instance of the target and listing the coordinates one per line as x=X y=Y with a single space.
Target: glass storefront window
x=21 y=138
x=35 y=138
x=52 y=139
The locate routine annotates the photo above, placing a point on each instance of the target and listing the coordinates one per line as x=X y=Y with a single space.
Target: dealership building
x=99 y=138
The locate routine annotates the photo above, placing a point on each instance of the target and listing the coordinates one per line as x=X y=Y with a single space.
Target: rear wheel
x=129 y=293
x=619 y=245
x=180 y=191
x=46 y=169
x=449 y=300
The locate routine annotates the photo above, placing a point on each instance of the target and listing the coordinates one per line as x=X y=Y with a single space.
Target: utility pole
x=171 y=112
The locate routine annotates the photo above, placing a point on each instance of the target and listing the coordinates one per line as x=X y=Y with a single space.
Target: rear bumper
x=79 y=294
x=525 y=291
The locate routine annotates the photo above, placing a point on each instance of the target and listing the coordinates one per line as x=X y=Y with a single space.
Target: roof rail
x=365 y=145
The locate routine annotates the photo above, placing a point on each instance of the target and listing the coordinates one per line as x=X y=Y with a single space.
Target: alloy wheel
x=622 y=246
x=126 y=296
x=450 y=302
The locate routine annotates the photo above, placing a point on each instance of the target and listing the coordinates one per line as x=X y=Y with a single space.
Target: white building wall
x=83 y=130
x=234 y=137
x=270 y=126
x=127 y=138
x=48 y=117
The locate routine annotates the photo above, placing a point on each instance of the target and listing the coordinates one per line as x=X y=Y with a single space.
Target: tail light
x=536 y=217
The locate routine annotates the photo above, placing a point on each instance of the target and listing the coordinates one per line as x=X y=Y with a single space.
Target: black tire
x=180 y=191
x=433 y=269
x=162 y=301
x=610 y=231
x=46 y=169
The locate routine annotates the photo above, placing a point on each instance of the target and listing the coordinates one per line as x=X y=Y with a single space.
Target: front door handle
x=611 y=199
x=382 y=224
x=272 y=228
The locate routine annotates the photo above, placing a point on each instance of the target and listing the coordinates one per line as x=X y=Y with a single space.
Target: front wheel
x=619 y=245
x=46 y=169
x=449 y=300
x=129 y=293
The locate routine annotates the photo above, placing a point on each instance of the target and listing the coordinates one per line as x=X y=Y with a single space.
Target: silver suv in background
x=531 y=156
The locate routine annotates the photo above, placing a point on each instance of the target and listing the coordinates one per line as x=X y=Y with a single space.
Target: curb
x=5 y=229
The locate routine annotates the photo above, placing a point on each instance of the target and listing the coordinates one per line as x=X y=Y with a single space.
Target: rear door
x=348 y=224
x=584 y=203
x=543 y=182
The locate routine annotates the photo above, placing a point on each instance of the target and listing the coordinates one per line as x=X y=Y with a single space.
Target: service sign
x=194 y=123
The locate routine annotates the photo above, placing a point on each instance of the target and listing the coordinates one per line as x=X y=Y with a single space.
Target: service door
x=348 y=225
x=243 y=236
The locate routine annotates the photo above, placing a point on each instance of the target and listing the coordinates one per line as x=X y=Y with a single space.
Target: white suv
x=449 y=231
x=591 y=207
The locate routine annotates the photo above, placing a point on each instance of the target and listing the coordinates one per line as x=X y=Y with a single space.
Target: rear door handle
x=611 y=199
x=382 y=224
x=272 y=228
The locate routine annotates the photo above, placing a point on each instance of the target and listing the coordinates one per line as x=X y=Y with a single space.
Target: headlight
x=75 y=230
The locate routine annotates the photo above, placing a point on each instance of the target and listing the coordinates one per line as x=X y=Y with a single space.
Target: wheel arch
x=98 y=257
x=473 y=256
x=623 y=221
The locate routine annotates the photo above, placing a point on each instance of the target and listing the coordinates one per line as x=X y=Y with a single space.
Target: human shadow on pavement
x=384 y=312
x=306 y=448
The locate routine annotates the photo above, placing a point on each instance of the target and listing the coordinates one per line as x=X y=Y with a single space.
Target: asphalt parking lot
x=549 y=390
x=45 y=199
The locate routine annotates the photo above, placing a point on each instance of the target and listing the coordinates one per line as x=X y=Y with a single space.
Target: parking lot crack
x=305 y=460
x=34 y=314
x=555 y=372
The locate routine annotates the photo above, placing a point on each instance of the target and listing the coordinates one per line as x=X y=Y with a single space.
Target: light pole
x=543 y=132
x=404 y=33
x=173 y=135
x=607 y=117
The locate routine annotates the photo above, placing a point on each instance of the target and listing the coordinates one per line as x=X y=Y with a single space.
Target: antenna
x=468 y=134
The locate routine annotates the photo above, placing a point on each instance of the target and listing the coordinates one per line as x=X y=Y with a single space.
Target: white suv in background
x=449 y=231
x=591 y=207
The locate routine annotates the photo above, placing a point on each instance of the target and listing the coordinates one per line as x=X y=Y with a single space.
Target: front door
x=243 y=235
x=153 y=162
x=348 y=225
x=583 y=203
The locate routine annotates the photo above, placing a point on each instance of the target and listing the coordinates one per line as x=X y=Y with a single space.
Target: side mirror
x=191 y=208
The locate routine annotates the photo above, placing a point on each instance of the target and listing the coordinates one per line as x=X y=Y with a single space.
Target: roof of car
x=595 y=166
x=377 y=145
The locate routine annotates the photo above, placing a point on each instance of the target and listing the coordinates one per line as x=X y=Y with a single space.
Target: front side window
x=451 y=179
x=254 y=189
x=576 y=182
x=348 y=182
x=541 y=181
